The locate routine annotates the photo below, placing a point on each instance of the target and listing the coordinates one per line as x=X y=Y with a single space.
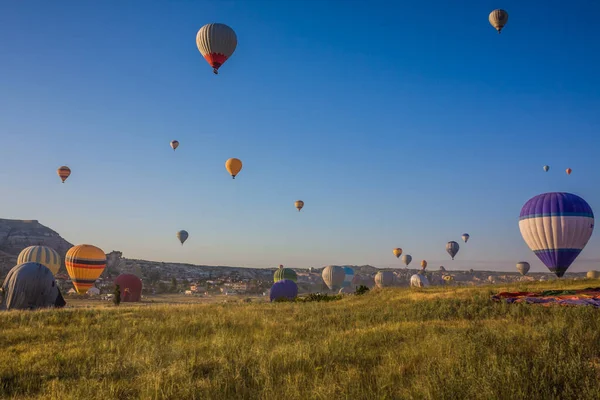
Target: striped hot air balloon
x=333 y=276
x=63 y=172
x=41 y=254
x=556 y=227
x=498 y=18
x=216 y=42
x=85 y=264
x=285 y=273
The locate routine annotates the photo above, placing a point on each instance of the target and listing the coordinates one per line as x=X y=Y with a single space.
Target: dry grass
x=439 y=343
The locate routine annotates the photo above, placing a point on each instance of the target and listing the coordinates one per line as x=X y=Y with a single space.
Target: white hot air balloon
x=216 y=42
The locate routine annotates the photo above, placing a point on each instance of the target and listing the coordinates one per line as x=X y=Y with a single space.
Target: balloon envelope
x=465 y=237
x=44 y=255
x=174 y=144
x=182 y=236
x=333 y=276
x=384 y=279
x=419 y=280
x=285 y=273
x=546 y=168
x=284 y=289
x=233 y=166
x=406 y=259
x=523 y=267
x=85 y=263
x=556 y=226
x=397 y=252
x=64 y=172
x=498 y=18
x=452 y=248
x=299 y=204
x=216 y=42
x=130 y=287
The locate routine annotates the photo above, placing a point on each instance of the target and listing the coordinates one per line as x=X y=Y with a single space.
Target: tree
x=173 y=284
x=117 y=295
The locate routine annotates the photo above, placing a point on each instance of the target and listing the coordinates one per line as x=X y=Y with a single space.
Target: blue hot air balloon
x=349 y=276
x=452 y=248
x=556 y=227
x=284 y=289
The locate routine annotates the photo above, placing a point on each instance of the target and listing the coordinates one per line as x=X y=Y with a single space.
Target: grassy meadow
x=438 y=343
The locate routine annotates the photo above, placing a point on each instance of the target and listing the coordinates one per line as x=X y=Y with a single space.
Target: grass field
x=439 y=343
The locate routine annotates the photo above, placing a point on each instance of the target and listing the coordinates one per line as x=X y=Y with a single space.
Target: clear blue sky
x=398 y=123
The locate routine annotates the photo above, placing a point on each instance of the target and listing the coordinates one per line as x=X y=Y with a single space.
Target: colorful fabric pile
x=583 y=297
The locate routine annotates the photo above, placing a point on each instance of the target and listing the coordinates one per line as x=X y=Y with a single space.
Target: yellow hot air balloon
x=299 y=204
x=498 y=18
x=44 y=255
x=423 y=264
x=64 y=172
x=397 y=252
x=216 y=42
x=85 y=264
x=234 y=166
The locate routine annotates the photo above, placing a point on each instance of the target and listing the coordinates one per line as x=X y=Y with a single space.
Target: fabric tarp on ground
x=29 y=286
x=583 y=297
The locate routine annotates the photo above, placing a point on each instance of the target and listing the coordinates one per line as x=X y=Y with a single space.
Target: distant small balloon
x=64 y=172
x=174 y=144
x=465 y=237
x=182 y=236
x=452 y=248
x=523 y=267
x=498 y=18
x=299 y=204
x=233 y=166
x=423 y=264
x=569 y=170
x=546 y=168
x=406 y=259
x=397 y=252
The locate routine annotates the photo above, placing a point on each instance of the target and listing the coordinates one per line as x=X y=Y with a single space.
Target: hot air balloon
x=452 y=248
x=85 y=264
x=174 y=144
x=216 y=42
x=285 y=273
x=556 y=227
x=423 y=265
x=182 y=236
x=569 y=170
x=349 y=275
x=465 y=237
x=406 y=259
x=397 y=252
x=29 y=286
x=130 y=287
x=234 y=166
x=299 y=204
x=523 y=267
x=419 y=280
x=384 y=279
x=498 y=18
x=546 y=168
x=592 y=275
x=41 y=254
x=333 y=276
x=64 y=172
x=283 y=289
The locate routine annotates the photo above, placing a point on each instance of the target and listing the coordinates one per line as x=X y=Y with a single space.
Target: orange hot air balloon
x=299 y=204
x=234 y=166
x=397 y=252
x=423 y=264
x=85 y=264
x=63 y=173
x=569 y=170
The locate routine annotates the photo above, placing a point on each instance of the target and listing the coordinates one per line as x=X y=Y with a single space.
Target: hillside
x=439 y=343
